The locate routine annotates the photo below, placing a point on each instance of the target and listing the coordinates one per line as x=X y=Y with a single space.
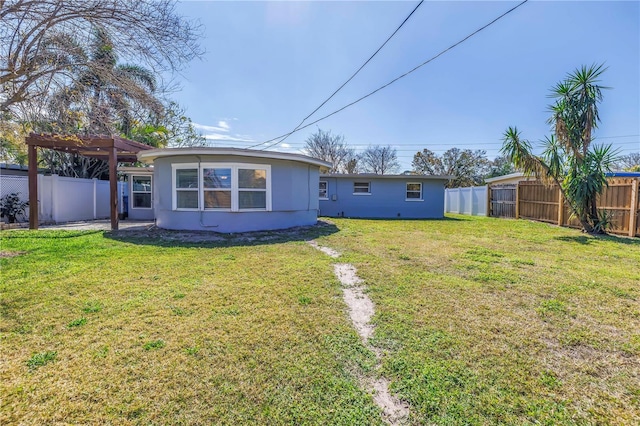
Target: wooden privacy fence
x=502 y=200
x=535 y=201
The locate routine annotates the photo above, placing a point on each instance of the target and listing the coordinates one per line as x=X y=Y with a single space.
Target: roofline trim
x=376 y=176
x=153 y=154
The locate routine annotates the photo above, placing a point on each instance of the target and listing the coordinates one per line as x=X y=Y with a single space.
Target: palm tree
x=104 y=97
x=569 y=160
x=114 y=89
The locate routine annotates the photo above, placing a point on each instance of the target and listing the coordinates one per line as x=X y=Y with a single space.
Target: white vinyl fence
x=64 y=199
x=471 y=200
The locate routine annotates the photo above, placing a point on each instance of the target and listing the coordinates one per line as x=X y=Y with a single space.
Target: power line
x=475 y=143
x=392 y=81
x=348 y=80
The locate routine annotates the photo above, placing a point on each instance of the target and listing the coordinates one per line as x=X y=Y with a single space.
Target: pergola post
x=33 y=186
x=95 y=146
x=113 y=187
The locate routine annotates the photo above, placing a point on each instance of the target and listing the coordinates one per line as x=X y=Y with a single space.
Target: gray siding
x=387 y=199
x=294 y=198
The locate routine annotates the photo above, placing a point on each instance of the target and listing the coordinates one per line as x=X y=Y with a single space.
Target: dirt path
x=361 y=309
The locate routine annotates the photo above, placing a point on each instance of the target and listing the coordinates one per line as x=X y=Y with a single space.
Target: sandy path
x=361 y=309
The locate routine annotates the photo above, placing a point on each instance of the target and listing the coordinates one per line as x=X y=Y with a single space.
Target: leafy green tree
x=12 y=148
x=172 y=128
x=500 y=166
x=569 y=159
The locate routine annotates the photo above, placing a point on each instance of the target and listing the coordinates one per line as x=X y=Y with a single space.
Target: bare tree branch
x=147 y=32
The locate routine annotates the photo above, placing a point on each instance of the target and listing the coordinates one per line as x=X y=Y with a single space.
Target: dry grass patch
x=496 y=321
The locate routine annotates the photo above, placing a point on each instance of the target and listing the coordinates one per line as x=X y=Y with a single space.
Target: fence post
x=54 y=198
x=471 y=199
x=95 y=198
x=40 y=199
x=488 y=200
x=560 y=208
x=459 y=200
x=518 y=200
x=633 y=209
x=446 y=200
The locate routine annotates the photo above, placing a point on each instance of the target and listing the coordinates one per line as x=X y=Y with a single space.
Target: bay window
x=221 y=186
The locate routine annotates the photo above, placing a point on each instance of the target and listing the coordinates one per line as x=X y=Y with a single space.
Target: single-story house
x=514 y=178
x=228 y=189
x=382 y=196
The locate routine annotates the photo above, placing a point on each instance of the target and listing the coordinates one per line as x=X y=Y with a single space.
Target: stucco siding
x=387 y=199
x=140 y=214
x=294 y=197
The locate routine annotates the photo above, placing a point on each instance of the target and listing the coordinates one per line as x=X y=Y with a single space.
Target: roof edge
x=503 y=177
x=377 y=176
x=153 y=154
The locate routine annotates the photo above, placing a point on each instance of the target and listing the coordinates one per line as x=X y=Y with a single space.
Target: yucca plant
x=568 y=158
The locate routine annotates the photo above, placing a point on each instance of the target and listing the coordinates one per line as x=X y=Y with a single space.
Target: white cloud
x=221 y=132
x=206 y=128
x=285 y=145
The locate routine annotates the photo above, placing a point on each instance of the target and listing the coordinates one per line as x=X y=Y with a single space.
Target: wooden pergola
x=109 y=148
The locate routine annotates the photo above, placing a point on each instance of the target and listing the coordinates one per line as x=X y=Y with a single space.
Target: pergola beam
x=96 y=146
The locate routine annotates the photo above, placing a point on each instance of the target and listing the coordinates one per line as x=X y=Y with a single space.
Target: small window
x=187 y=188
x=323 y=190
x=414 y=191
x=221 y=186
x=141 y=192
x=361 y=188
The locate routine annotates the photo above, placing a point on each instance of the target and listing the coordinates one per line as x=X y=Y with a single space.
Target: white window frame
x=141 y=192
x=235 y=192
x=407 y=191
x=326 y=190
x=235 y=189
x=174 y=194
x=361 y=183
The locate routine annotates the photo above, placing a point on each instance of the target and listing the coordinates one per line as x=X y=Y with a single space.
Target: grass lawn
x=481 y=321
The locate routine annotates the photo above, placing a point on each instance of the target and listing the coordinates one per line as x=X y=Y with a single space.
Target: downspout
x=309 y=186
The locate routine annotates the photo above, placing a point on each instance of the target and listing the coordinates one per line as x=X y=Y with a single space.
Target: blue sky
x=269 y=64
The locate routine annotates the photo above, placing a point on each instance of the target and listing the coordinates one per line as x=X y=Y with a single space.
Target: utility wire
x=389 y=83
x=348 y=80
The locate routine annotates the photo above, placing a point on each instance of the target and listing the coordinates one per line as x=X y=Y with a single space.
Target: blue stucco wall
x=294 y=197
x=387 y=199
x=137 y=213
